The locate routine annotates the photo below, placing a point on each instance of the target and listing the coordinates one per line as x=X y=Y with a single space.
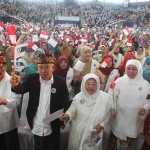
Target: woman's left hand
x=142 y=112
x=98 y=129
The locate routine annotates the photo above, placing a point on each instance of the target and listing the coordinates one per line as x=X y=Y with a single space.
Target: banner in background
x=126 y=3
x=67 y=18
x=11 y=1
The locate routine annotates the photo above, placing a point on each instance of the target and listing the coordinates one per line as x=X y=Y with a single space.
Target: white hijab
x=138 y=77
x=99 y=114
x=90 y=99
x=5 y=87
x=5 y=91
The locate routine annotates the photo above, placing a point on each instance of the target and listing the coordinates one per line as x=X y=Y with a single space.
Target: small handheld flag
x=12 y=33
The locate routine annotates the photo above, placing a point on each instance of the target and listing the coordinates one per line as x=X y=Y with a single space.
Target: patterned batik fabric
x=146 y=145
x=119 y=144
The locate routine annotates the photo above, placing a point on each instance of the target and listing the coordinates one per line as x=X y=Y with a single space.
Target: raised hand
x=14 y=80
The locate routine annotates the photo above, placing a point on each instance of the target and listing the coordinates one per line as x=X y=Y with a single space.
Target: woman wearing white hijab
x=130 y=93
x=88 y=114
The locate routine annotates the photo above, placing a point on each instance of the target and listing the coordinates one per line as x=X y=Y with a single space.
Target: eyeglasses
x=43 y=67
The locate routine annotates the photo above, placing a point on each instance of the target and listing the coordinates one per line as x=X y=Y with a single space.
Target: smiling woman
x=89 y=66
x=91 y=86
x=88 y=114
x=130 y=94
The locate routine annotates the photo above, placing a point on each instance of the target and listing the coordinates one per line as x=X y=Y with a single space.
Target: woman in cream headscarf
x=130 y=93
x=140 y=55
x=104 y=42
x=88 y=113
x=66 y=51
x=89 y=66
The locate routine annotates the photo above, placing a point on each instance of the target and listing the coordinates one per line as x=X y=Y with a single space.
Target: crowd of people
x=103 y=15
x=29 y=11
x=38 y=12
x=139 y=15
x=100 y=80
x=94 y=15
x=71 y=10
x=92 y=81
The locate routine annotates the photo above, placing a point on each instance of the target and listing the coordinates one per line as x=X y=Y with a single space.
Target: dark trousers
x=50 y=142
x=9 y=140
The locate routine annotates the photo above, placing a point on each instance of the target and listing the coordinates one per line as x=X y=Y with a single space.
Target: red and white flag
x=105 y=63
x=85 y=39
x=44 y=34
x=126 y=31
x=91 y=46
x=33 y=46
x=120 y=37
x=24 y=31
x=69 y=39
x=76 y=42
x=2 y=25
x=30 y=29
x=12 y=33
x=129 y=42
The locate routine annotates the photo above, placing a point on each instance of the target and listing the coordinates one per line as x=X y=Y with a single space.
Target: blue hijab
x=146 y=71
x=147 y=60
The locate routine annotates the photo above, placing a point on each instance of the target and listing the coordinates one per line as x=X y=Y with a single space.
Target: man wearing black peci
x=47 y=94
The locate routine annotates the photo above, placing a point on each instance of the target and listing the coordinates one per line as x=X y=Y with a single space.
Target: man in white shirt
x=9 y=119
x=47 y=94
